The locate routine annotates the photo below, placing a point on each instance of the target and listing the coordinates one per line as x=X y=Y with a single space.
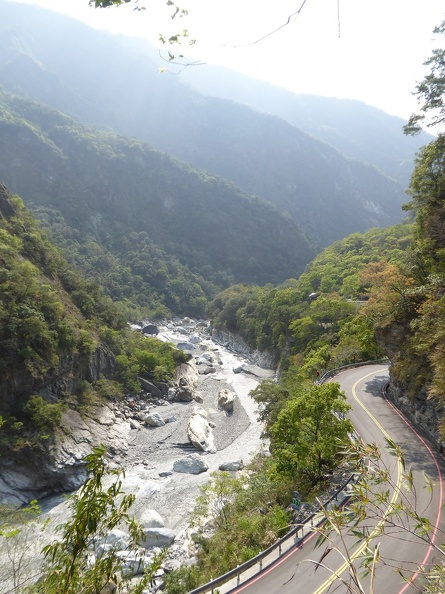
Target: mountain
x=150 y=229
x=114 y=82
x=357 y=130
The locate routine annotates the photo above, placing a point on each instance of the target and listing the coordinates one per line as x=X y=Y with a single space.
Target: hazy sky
x=371 y=50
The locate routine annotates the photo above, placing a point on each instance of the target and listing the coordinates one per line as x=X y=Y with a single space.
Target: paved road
x=375 y=420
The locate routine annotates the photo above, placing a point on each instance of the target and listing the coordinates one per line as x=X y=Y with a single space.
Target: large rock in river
x=199 y=431
x=226 y=398
x=191 y=464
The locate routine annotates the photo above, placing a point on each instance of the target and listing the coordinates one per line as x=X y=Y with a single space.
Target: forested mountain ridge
x=380 y=293
x=154 y=232
x=42 y=329
x=318 y=318
x=357 y=130
x=328 y=195
x=65 y=350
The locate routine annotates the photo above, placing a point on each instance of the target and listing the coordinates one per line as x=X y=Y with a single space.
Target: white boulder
x=154 y=419
x=199 y=431
x=157 y=537
x=150 y=518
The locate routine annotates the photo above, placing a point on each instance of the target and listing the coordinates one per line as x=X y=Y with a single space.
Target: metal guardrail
x=327 y=374
x=258 y=559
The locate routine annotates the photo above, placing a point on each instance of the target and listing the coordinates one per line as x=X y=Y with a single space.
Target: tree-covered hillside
x=318 y=316
x=63 y=344
x=158 y=235
x=357 y=130
x=329 y=195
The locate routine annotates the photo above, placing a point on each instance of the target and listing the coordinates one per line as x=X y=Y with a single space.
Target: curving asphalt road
x=376 y=420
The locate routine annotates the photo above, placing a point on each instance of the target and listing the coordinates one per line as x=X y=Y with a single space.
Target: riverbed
x=152 y=451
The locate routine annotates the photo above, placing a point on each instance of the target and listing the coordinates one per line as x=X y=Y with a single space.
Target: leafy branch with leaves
x=380 y=505
x=73 y=565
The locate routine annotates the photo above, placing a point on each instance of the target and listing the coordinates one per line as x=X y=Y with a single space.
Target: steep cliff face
x=264 y=359
x=409 y=307
x=410 y=378
x=31 y=472
x=47 y=346
x=59 y=382
x=420 y=410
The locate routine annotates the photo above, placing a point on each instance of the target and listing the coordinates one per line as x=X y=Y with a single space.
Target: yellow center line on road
x=336 y=574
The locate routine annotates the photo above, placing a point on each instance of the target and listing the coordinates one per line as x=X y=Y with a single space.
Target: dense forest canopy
x=322 y=311
x=159 y=236
x=52 y=324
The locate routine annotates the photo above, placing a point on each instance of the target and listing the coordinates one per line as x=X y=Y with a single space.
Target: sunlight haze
x=372 y=51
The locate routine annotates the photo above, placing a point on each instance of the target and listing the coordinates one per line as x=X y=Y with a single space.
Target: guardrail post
x=238 y=575
x=279 y=549
x=261 y=565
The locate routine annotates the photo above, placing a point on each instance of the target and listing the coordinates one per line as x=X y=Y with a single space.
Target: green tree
x=310 y=431
x=270 y=397
x=431 y=92
x=218 y=498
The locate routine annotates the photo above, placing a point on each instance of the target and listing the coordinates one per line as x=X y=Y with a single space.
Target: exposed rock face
x=263 y=359
x=414 y=403
x=63 y=379
x=6 y=208
x=420 y=411
x=27 y=474
x=199 y=431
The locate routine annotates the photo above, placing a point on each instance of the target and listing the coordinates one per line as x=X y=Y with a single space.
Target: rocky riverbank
x=149 y=437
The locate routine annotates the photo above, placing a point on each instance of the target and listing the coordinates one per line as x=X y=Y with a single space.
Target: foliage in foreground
x=380 y=505
x=96 y=510
x=235 y=518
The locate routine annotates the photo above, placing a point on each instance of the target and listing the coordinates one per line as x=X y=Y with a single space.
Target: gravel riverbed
x=152 y=451
x=236 y=436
